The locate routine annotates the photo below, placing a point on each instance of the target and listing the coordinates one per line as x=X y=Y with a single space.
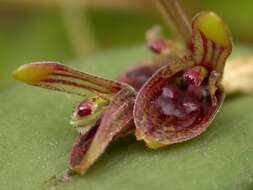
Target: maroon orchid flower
x=172 y=100
x=179 y=97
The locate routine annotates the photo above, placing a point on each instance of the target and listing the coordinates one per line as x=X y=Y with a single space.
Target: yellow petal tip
x=31 y=73
x=212 y=26
x=149 y=141
x=154 y=145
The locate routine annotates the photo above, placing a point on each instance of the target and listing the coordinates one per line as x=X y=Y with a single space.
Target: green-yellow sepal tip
x=149 y=141
x=212 y=26
x=31 y=73
x=154 y=145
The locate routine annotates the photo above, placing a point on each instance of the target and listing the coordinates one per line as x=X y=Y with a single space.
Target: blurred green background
x=35 y=137
x=64 y=30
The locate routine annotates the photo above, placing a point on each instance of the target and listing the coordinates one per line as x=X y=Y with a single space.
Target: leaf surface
x=36 y=142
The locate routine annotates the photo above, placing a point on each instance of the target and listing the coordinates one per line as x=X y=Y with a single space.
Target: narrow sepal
x=55 y=76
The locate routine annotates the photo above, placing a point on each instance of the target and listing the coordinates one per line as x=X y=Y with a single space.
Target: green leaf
x=36 y=141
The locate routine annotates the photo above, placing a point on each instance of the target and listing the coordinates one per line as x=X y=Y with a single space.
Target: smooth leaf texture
x=36 y=141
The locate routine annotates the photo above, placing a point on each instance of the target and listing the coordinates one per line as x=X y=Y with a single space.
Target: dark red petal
x=81 y=145
x=137 y=76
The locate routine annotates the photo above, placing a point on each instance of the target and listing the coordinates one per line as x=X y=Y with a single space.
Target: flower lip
x=174 y=109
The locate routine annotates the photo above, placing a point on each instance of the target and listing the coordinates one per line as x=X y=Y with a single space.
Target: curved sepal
x=212 y=42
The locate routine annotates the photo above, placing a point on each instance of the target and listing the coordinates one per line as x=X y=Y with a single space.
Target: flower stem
x=176 y=17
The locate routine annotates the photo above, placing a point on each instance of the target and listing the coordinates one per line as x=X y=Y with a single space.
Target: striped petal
x=212 y=42
x=55 y=76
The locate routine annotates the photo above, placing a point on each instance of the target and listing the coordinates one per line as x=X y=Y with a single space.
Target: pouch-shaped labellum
x=169 y=110
x=182 y=98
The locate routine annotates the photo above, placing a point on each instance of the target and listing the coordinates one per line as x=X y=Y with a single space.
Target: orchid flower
x=172 y=100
